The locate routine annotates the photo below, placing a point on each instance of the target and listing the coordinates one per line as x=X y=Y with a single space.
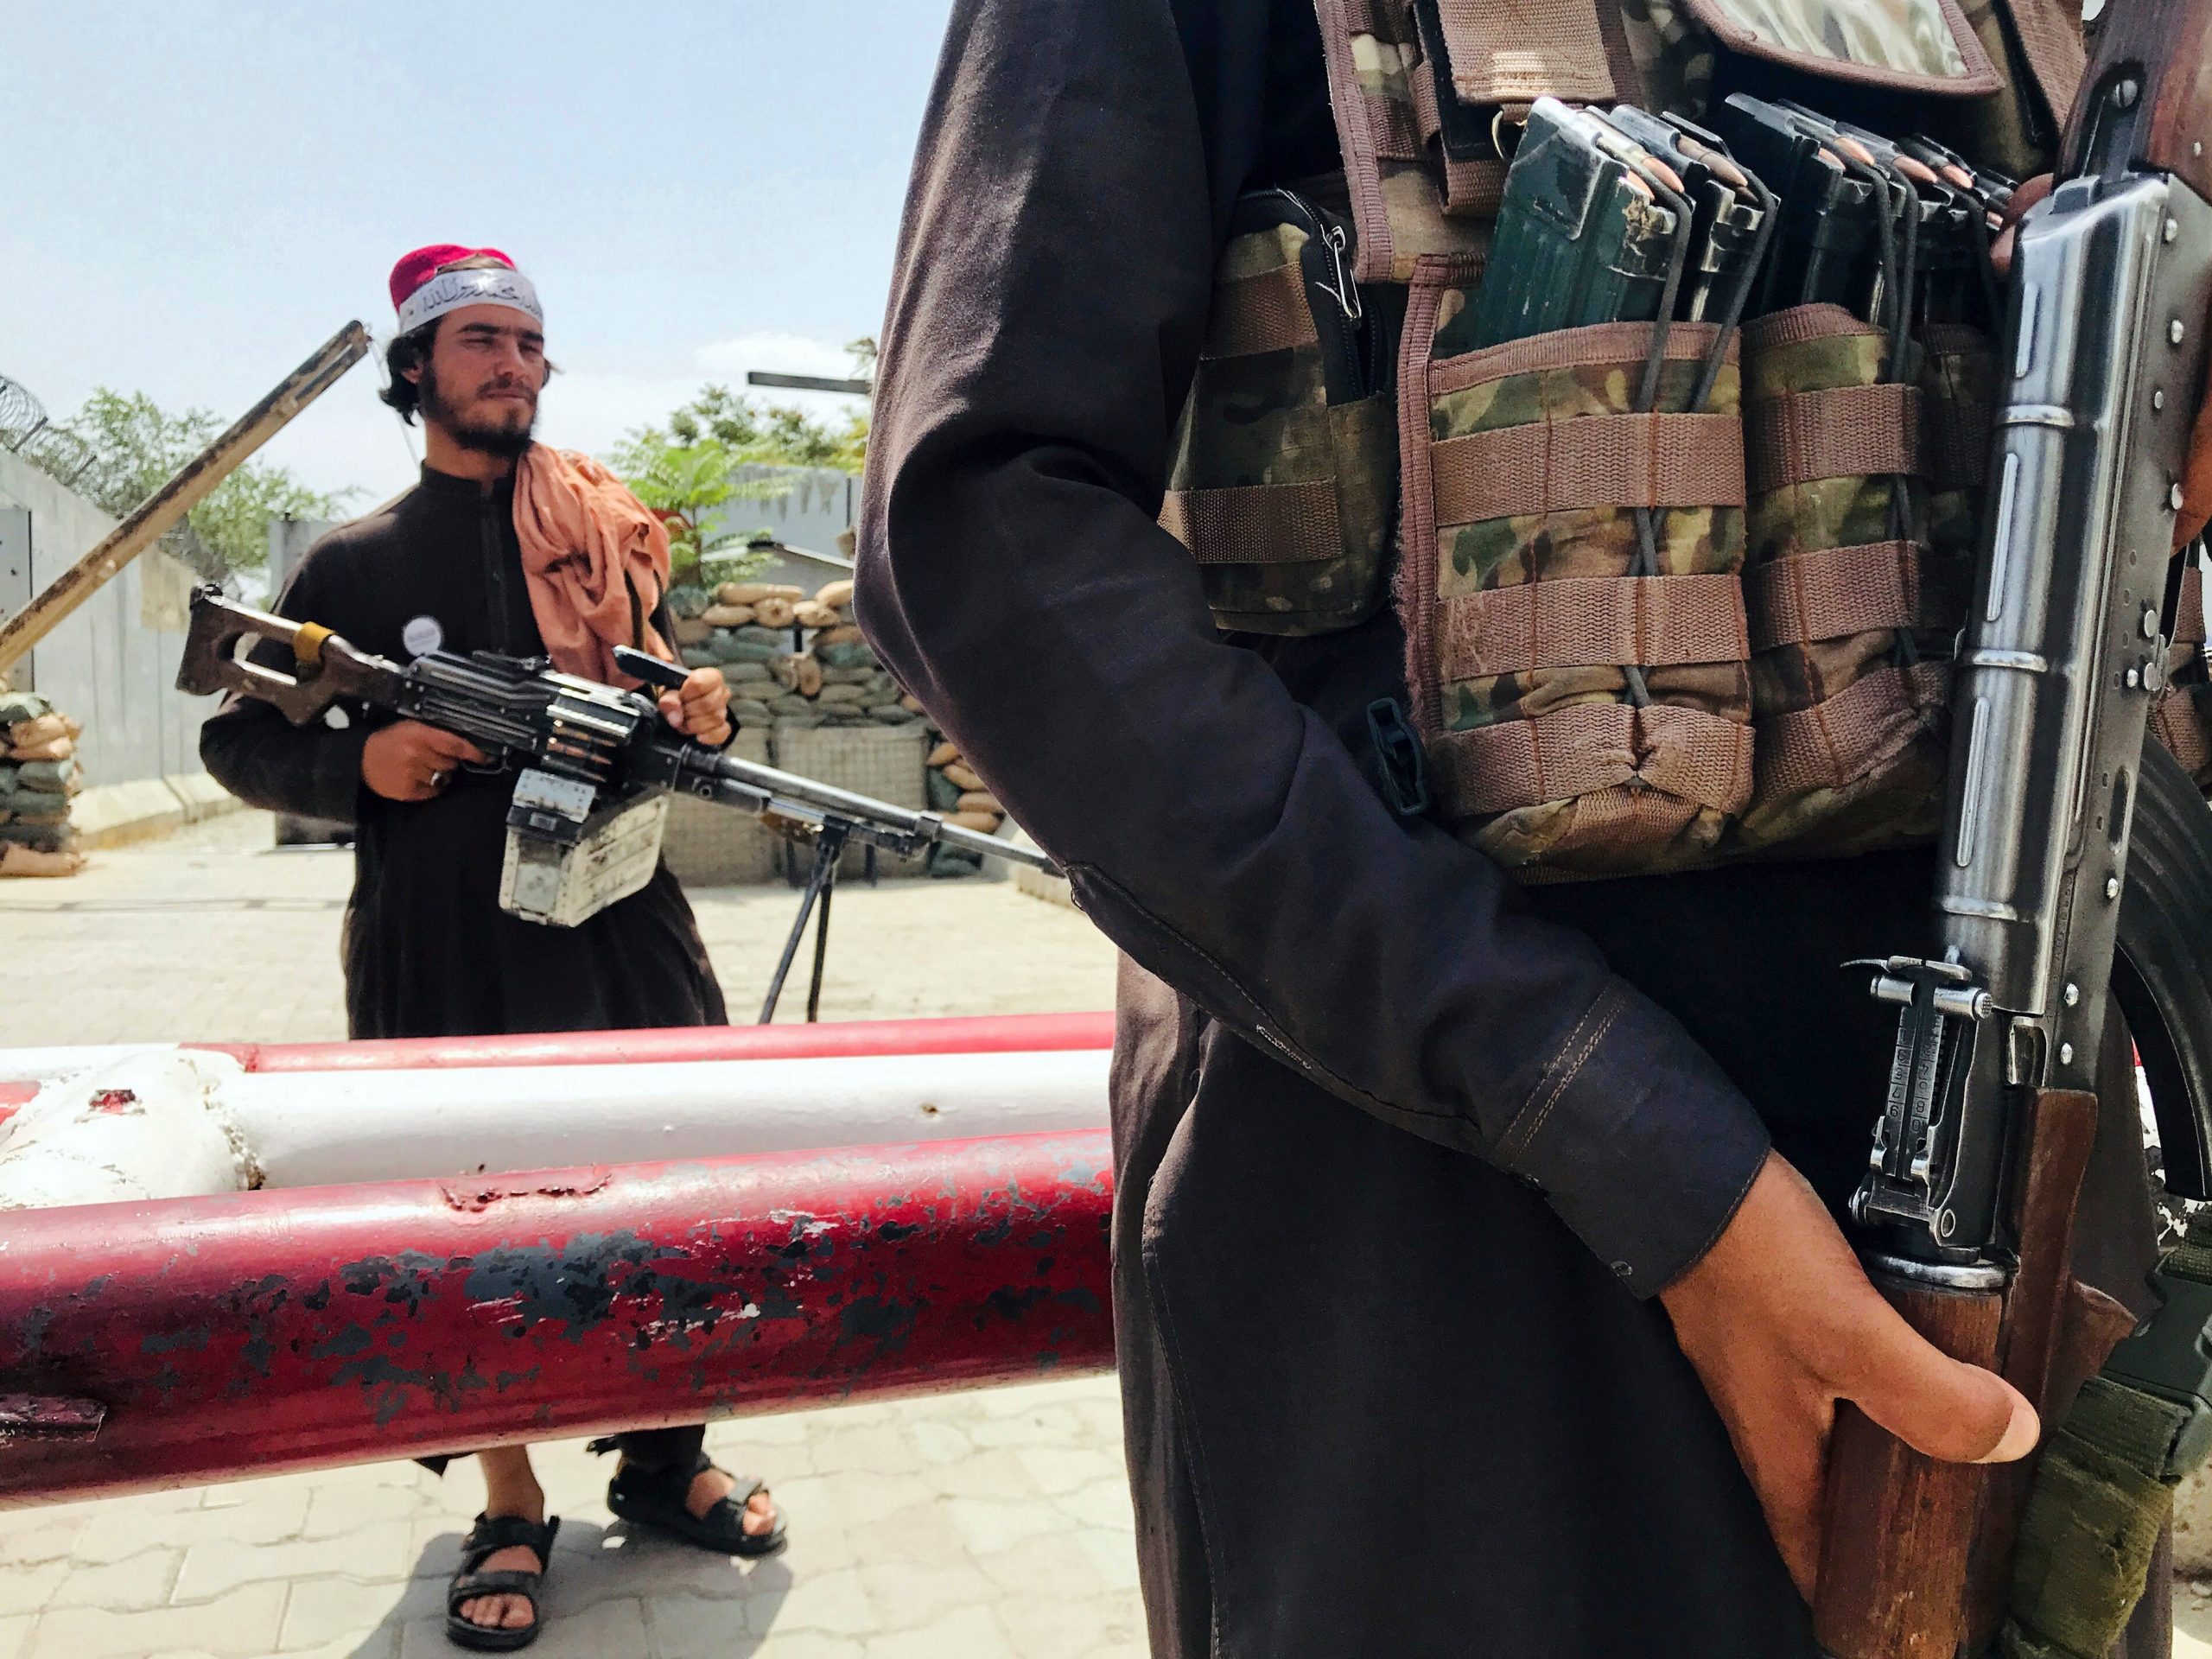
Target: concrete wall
x=113 y=665
x=818 y=504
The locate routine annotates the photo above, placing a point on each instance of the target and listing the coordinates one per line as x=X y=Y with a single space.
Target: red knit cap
x=416 y=271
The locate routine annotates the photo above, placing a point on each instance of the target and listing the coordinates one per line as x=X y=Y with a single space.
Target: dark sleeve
x=1074 y=177
x=252 y=750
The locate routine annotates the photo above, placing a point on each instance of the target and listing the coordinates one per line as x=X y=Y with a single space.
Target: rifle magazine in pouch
x=1283 y=478
x=2181 y=712
x=1836 y=582
x=1958 y=402
x=1581 y=719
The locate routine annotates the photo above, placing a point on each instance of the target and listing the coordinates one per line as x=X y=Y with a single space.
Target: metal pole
x=160 y=510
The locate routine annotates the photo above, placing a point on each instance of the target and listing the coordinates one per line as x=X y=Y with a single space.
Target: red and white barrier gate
x=203 y=1338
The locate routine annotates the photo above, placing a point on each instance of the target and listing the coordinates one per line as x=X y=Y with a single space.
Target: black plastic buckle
x=2170 y=1358
x=1399 y=759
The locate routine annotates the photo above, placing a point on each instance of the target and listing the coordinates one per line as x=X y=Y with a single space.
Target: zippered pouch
x=1283 y=477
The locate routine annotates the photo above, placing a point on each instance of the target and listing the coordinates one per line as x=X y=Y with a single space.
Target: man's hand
x=700 y=709
x=409 y=761
x=1781 y=1323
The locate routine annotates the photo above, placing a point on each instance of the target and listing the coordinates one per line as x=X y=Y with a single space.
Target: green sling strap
x=2104 y=1488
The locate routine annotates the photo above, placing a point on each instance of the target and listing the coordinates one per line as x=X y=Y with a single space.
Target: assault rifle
x=2075 y=865
x=594 y=765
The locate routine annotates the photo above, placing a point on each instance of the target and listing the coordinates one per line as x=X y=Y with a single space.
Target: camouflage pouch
x=1585 y=700
x=2181 y=710
x=1283 y=477
x=1841 y=590
x=1409 y=199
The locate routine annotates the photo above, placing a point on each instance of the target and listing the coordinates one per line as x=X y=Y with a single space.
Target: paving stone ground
x=991 y=1525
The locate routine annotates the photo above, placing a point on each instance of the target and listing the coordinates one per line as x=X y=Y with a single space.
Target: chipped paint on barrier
x=282 y=1330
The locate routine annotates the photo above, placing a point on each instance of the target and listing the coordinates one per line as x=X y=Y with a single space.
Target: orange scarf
x=595 y=558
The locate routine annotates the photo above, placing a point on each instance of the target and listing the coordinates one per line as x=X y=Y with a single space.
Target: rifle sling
x=2104 y=1491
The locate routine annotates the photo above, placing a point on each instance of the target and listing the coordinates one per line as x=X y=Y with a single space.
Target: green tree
x=689 y=485
x=136 y=446
x=776 y=435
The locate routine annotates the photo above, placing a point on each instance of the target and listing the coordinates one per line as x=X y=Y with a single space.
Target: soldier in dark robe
x=1459 y=1239
x=428 y=952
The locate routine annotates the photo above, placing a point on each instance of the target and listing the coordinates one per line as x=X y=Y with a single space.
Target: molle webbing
x=1265 y=312
x=1670 y=755
x=1836 y=584
x=1575 y=627
x=1833 y=592
x=1283 y=480
x=1652 y=621
x=1838 y=432
x=1255 y=524
x=1625 y=460
x=1840 y=739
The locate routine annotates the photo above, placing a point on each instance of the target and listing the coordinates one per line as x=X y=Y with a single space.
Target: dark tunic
x=428 y=951
x=1404 y=1154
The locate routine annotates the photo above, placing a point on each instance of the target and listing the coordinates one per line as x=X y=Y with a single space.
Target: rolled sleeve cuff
x=1640 y=1142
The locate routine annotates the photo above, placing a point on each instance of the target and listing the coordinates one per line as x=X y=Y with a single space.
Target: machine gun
x=594 y=765
x=2074 y=864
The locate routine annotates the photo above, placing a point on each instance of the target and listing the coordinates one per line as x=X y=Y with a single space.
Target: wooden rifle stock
x=1916 y=1554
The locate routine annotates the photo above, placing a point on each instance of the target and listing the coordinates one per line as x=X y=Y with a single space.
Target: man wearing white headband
x=504 y=545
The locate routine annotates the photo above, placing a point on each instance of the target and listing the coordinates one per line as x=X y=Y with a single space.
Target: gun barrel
x=154 y=516
x=767 y=789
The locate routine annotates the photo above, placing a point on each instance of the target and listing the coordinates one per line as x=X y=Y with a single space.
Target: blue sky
x=199 y=193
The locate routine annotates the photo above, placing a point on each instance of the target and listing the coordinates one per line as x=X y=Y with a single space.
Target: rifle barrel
x=824 y=799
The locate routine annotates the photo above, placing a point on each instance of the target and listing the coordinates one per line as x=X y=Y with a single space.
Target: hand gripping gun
x=594 y=765
x=2074 y=864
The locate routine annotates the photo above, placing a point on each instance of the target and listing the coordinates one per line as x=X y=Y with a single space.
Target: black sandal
x=654 y=1498
x=492 y=1534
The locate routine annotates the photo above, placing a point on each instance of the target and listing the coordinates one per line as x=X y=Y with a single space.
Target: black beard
x=481 y=438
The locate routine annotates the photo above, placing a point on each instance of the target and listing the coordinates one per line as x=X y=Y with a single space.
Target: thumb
x=1941 y=1406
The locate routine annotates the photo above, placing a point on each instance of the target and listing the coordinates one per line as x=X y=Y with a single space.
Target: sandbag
x=32 y=734
x=747 y=673
x=801 y=674
x=16 y=707
x=835 y=595
x=751 y=593
x=961 y=775
x=775 y=613
x=979 y=800
x=842 y=694
x=843 y=634
x=943 y=793
x=48 y=777
x=727 y=616
x=813 y=615
x=981 y=823
x=18 y=860
x=59 y=748
x=692 y=630
x=944 y=754
x=41 y=837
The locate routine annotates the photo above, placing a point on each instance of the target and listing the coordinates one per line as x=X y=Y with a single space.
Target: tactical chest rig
x=1667 y=602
